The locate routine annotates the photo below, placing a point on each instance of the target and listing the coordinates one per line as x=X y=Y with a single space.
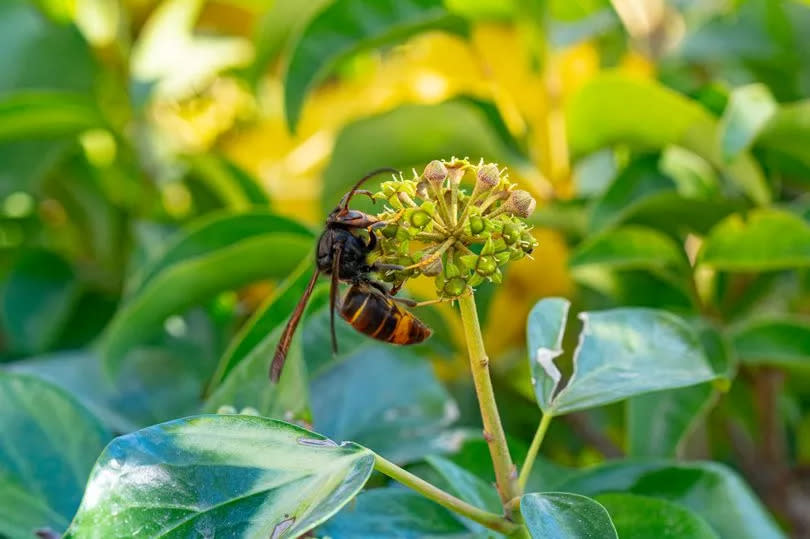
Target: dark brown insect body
x=368 y=306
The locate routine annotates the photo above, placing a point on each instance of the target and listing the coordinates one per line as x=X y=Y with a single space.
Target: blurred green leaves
x=345 y=27
x=46 y=114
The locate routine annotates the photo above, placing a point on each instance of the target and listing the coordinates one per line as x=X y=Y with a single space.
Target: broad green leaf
x=629 y=247
x=465 y=484
x=458 y=127
x=39 y=295
x=764 y=240
x=563 y=515
x=642 y=517
x=46 y=114
x=393 y=512
x=748 y=111
x=621 y=353
x=345 y=27
x=390 y=400
x=243 y=476
x=710 y=490
x=634 y=288
x=784 y=342
x=787 y=131
x=48 y=442
x=251 y=246
x=614 y=109
x=233 y=186
x=658 y=423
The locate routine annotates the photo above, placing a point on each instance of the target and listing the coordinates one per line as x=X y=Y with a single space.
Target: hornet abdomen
x=379 y=317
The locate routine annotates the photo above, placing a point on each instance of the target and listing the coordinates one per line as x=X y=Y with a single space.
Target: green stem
x=526 y=471
x=445 y=499
x=505 y=474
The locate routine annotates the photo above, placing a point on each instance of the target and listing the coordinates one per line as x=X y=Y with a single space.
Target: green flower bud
x=420 y=218
x=486 y=265
x=390 y=231
x=476 y=280
x=511 y=233
x=401 y=234
x=496 y=277
x=520 y=203
x=476 y=224
x=455 y=286
x=469 y=262
x=429 y=207
x=451 y=270
x=487 y=178
x=489 y=247
x=435 y=172
x=503 y=257
x=527 y=242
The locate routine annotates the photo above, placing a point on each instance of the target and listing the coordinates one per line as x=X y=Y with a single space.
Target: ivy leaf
x=748 y=111
x=629 y=247
x=563 y=515
x=220 y=474
x=765 y=240
x=621 y=353
x=345 y=27
x=783 y=341
x=48 y=442
x=642 y=517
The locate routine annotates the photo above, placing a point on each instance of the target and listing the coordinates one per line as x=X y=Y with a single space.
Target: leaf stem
x=505 y=473
x=526 y=470
x=445 y=499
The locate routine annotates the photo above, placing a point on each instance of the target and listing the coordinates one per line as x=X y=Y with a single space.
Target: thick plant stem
x=485 y=518
x=526 y=470
x=505 y=474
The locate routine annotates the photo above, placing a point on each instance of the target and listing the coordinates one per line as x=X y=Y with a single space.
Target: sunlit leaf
x=193 y=267
x=235 y=188
x=629 y=247
x=621 y=353
x=239 y=475
x=38 y=296
x=710 y=490
x=48 y=443
x=345 y=27
x=642 y=517
x=565 y=516
x=774 y=341
x=748 y=111
x=390 y=400
x=762 y=241
x=615 y=109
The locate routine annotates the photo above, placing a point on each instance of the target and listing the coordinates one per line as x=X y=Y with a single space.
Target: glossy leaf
x=749 y=109
x=465 y=484
x=764 y=240
x=48 y=442
x=345 y=27
x=190 y=270
x=710 y=490
x=390 y=400
x=613 y=109
x=393 y=512
x=787 y=130
x=629 y=247
x=211 y=475
x=41 y=115
x=564 y=515
x=621 y=353
x=460 y=126
x=37 y=299
x=641 y=517
x=784 y=342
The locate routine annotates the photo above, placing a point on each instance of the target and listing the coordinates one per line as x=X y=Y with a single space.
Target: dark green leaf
x=393 y=512
x=48 y=442
x=641 y=517
x=214 y=475
x=787 y=131
x=233 y=186
x=191 y=270
x=37 y=299
x=390 y=400
x=749 y=109
x=621 y=353
x=466 y=485
x=44 y=115
x=784 y=342
x=563 y=515
x=710 y=490
x=345 y=27
x=765 y=240
x=629 y=247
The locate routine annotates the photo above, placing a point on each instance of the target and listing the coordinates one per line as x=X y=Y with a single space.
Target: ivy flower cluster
x=434 y=227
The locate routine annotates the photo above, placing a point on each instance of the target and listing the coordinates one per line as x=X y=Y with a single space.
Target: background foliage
x=166 y=165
